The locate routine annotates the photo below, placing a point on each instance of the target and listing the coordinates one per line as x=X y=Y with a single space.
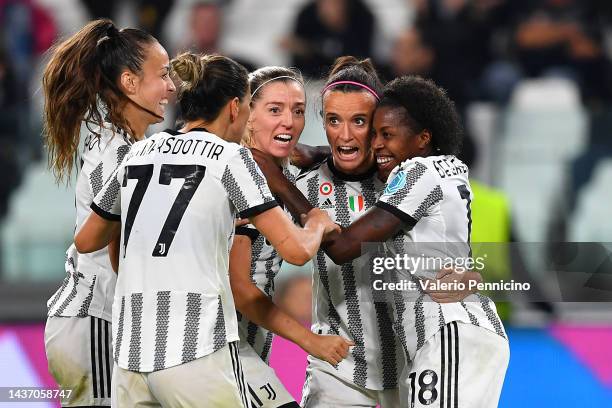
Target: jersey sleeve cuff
x=405 y=218
x=104 y=214
x=258 y=209
x=252 y=233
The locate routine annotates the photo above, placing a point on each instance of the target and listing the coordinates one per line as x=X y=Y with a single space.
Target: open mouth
x=283 y=138
x=347 y=152
x=385 y=162
x=163 y=104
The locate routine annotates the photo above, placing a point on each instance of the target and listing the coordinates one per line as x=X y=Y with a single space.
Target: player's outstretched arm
x=376 y=225
x=295 y=245
x=96 y=233
x=259 y=308
x=291 y=196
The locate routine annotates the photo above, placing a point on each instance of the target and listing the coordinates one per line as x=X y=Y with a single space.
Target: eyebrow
x=283 y=103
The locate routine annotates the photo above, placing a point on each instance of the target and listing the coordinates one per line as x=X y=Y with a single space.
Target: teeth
x=283 y=138
x=347 y=149
x=383 y=160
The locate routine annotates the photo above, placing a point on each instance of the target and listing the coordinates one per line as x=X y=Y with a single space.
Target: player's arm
x=259 y=308
x=249 y=192
x=375 y=225
x=305 y=156
x=96 y=233
x=295 y=245
x=103 y=224
x=113 y=253
x=291 y=196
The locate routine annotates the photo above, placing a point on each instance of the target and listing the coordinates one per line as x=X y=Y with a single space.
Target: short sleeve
x=410 y=192
x=249 y=231
x=107 y=203
x=246 y=186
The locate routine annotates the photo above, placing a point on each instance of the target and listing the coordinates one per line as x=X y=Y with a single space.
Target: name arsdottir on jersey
x=343 y=297
x=177 y=203
x=265 y=265
x=89 y=285
x=432 y=195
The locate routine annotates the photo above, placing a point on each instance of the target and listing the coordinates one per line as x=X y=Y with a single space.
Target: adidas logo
x=326 y=204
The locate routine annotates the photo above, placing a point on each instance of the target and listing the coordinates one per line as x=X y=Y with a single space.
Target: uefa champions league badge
x=398 y=182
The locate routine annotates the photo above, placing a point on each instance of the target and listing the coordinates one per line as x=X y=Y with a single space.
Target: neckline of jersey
x=350 y=177
x=176 y=132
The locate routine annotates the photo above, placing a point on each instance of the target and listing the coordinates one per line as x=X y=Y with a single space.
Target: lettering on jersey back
x=183 y=146
x=449 y=168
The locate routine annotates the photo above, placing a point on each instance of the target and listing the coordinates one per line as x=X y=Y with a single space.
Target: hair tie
x=112 y=31
x=367 y=88
x=274 y=79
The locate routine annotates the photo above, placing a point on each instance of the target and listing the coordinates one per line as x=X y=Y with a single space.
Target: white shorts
x=325 y=389
x=265 y=389
x=79 y=353
x=461 y=366
x=215 y=380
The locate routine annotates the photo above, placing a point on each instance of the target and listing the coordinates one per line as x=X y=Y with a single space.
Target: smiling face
x=347 y=125
x=277 y=117
x=394 y=141
x=154 y=86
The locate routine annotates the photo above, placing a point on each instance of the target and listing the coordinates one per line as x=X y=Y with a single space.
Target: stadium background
x=543 y=142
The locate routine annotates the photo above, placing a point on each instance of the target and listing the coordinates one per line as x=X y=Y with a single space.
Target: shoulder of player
x=441 y=166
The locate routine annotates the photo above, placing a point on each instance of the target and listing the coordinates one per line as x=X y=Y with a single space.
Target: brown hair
x=348 y=68
x=81 y=76
x=208 y=83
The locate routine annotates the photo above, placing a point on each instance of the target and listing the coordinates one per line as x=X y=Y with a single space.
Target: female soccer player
x=117 y=82
x=176 y=196
x=277 y=119
x=425 y=213
x=345 y=185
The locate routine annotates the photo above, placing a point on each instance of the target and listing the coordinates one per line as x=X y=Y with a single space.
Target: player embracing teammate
x=456 y=351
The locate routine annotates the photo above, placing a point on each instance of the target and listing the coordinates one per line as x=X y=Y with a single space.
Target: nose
x=345 y=133
x=171 y=86
x=287 y=119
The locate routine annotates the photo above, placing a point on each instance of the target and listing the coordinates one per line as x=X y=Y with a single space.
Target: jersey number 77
x=193 y=175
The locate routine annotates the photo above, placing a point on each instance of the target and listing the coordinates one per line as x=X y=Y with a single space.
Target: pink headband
x=367 y=88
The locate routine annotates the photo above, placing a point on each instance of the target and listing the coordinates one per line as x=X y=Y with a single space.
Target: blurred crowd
x=478 y=50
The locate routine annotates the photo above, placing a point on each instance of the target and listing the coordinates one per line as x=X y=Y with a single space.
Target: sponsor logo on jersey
x=398 y=182
x=326 y=188
x=356 y=203
x=327 y=204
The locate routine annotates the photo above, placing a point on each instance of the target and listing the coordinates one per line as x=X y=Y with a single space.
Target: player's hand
x=332 y=349
x=316 y=216
x=452 y=278
x=272 y=171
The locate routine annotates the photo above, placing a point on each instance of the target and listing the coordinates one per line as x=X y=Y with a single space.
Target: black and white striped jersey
x=89 y=284
x=177 y=196
x=343 y=297
x=433 y=196
x=265 y=265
